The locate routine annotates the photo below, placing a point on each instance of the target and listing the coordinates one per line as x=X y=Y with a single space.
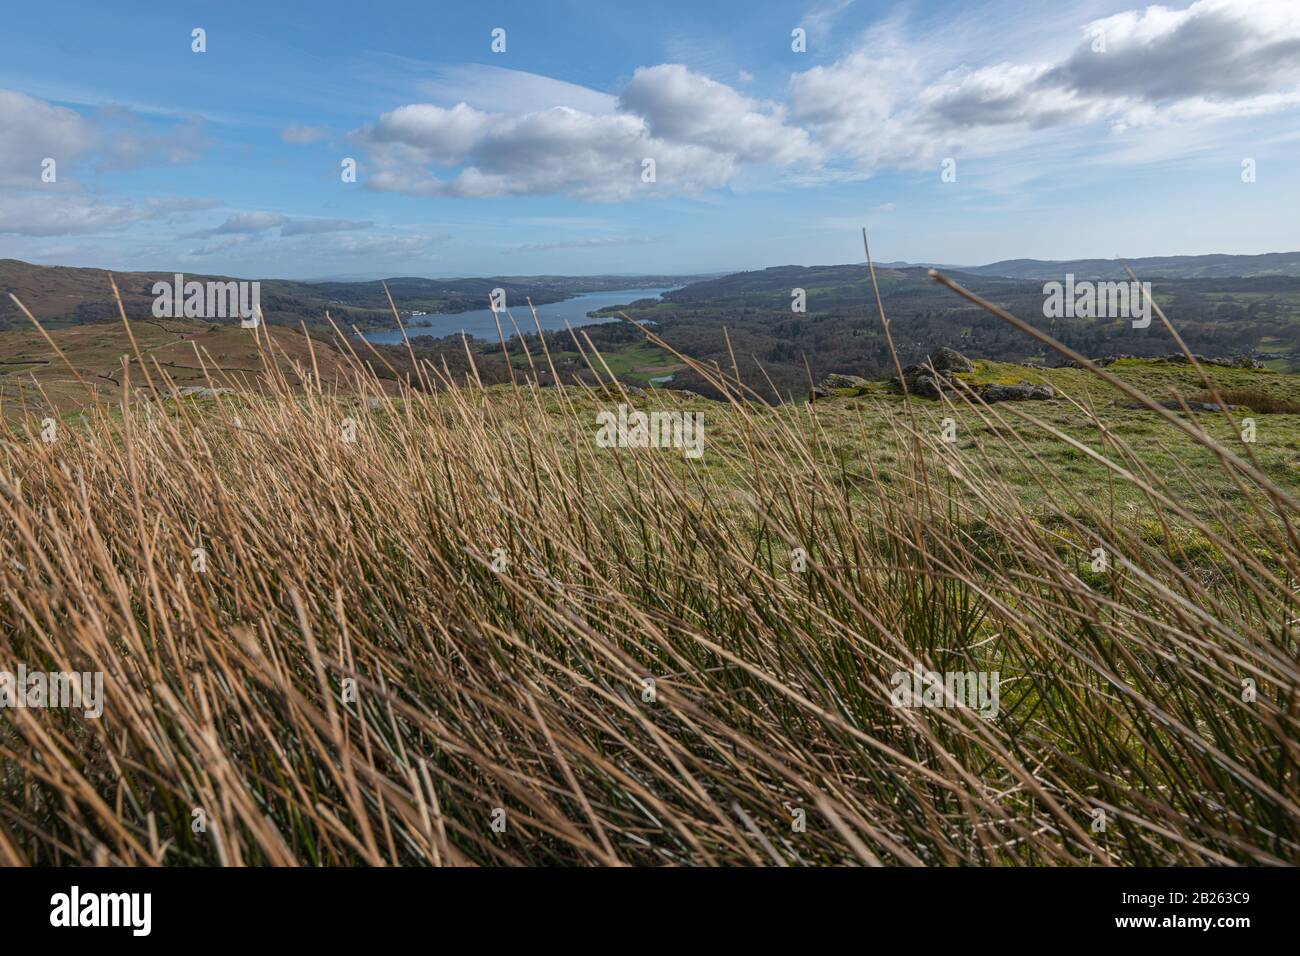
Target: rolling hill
x=1151 y=267
x=62 y=296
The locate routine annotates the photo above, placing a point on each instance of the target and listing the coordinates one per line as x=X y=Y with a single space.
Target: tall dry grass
x=524 y=690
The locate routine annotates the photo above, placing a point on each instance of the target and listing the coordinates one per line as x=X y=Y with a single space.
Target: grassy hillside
x=444 y=624
x=89 y=366
x=1041 y=448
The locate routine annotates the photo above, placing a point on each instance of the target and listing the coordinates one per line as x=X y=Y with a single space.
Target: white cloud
x=697 y=131
x=431 y=134
x=128 y=141
x=256 y=224
x=63 y=215
x=1214 y=49
x=857 y=106
x=1002 y=95
x=247 y=223
x=560 y=150
x=31 y=130
x=684 y=107
x=898 y=101
x=893 y=101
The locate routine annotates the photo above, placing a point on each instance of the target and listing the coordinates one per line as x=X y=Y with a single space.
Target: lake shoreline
x=585 y=308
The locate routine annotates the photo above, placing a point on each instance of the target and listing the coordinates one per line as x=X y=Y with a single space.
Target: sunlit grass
x=522 y=687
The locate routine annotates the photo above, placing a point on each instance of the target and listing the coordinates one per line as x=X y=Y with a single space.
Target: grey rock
x=1178 y=358
x=925 y=385
x=946 y=360
x=837 y=380
x=1020 y=392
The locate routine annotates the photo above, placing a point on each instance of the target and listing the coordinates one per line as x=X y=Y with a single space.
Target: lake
x=479 y=323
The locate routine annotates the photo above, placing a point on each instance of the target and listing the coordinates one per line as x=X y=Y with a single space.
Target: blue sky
x=1077 y=130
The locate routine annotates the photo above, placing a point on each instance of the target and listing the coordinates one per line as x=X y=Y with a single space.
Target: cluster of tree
x=779 y=352
x=746 y=327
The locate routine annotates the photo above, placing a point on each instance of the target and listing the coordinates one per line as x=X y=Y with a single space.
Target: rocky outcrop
x=1178 y=358
x=921 y=382
x=1020 y=392
x=935 y=377
x=839 y=384
x=836 y=380
x=946 y=361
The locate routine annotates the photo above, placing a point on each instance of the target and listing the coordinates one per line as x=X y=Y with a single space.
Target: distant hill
x=830 y=285
x=839 y=329
x=63 y=296
x=1150 y=267
x=824 y=287
x=848 y=286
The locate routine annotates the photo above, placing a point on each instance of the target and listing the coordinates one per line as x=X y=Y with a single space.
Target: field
x=344 y=619
x=638 y=364
x=179 y=353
